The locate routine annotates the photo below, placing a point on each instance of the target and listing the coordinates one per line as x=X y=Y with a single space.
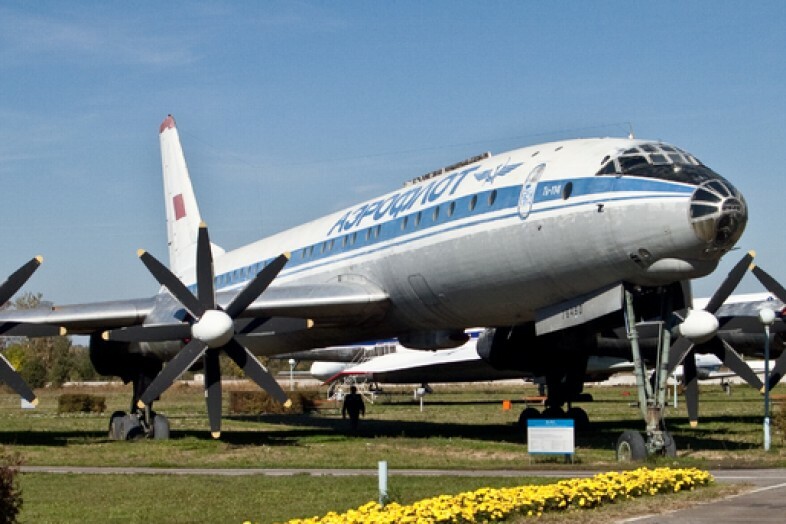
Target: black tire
x=160 y=427
x=631 y=447
x=526 y=415
x=131 y=428
x=580 y=418
x=670 y=446
x=116 y=425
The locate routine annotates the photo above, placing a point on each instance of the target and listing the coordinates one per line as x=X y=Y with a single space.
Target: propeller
x=698 y=334
x=774 y=287
x=8 y=289
x=210 y=329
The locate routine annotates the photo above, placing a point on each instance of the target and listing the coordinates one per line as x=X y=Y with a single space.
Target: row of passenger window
x=408 y=223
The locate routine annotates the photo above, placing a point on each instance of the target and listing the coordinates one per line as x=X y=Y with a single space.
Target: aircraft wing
x=334 y=303
x=338 y=302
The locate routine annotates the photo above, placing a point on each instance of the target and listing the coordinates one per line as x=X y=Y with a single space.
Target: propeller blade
x=160 y=333
x=731 y=281
x=691 y=388
x=255 y=288
x=213 y=391
x=772 y=285
x=18 y=279
x=16 y=329
x=184 y=359
x=732 y=360
x=678 y=352
x=205 y=284
x=275 y=326
x=167 y=279
x=776 y=373
x=254 y=370
x=14 y=380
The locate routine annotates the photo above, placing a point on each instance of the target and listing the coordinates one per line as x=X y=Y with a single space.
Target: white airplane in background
x=552 y=243
x=391 y=363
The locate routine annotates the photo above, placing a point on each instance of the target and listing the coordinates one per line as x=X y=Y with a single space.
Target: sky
x=291 y=110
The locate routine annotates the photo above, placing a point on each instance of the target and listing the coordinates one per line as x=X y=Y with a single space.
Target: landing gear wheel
x=131 y=428
x=116 y=425
x=669 y=445
x=631 y=447
x=580 y=418
x=526 y=415
x=160 y=427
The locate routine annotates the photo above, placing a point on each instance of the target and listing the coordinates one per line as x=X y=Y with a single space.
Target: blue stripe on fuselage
x=408 y=228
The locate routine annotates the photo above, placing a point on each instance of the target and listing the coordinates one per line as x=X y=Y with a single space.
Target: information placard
x=550 y=436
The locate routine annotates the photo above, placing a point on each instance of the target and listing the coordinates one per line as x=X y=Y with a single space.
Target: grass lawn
x=459 y=428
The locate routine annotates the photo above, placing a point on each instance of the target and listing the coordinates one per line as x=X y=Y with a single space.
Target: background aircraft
x=554 y=243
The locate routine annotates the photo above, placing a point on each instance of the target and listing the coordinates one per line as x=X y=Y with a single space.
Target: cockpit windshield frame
x=657 y=160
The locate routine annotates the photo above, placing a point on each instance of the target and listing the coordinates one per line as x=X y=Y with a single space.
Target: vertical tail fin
x=182 y=212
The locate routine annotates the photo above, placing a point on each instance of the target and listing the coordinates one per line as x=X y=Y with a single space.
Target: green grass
x=170 y=498
x=459 y=428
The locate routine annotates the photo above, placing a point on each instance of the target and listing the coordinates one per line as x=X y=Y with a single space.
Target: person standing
x=354 y=407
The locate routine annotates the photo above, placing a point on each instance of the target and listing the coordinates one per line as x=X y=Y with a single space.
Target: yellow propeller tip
x=203 y=225
x=215 y=434
x=287 y=255
x=140 y=404
x=309 y=323
x=288 y=403
x=105 y=335
x=752 y=266
x=140 y=252
x=694 y=423
x=40 y=259
x=34 y=402
x=752 y=253
x=63 y=331
x=762 y=390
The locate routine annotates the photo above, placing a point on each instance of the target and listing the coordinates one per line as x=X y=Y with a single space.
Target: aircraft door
x=527 y=197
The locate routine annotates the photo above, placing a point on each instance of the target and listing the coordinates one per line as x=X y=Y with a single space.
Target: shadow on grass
x=714 y=433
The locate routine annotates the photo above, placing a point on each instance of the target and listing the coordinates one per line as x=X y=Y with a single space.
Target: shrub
x=81 y=403
x=258 y=402
x=10 y=492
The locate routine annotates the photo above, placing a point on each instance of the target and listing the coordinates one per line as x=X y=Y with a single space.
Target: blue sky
x=290 y=110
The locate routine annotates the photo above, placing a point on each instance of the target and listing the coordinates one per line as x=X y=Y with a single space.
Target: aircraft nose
x=718 y=214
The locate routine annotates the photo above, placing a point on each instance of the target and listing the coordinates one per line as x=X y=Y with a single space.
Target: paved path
x=764 y=503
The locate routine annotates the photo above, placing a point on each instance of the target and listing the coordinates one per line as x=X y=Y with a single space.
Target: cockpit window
x=656 y=160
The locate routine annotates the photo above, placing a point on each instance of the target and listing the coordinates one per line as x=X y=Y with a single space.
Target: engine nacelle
x=117 y=359
x=431 y=340
x=508 y=348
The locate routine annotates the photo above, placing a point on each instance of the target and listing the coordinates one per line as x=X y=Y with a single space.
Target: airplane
x=550 y=243
x=388 y=362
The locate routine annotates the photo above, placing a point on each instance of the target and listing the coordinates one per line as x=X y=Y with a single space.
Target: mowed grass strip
x=51 y=498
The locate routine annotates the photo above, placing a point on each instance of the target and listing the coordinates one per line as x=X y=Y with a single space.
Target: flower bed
x=490 y=505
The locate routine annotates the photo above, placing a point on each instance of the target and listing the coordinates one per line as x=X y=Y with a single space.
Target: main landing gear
x=138 y=423
x=133 y=426
x=580 y=418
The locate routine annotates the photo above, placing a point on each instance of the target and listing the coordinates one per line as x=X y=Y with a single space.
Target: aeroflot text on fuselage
x=404 y=200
